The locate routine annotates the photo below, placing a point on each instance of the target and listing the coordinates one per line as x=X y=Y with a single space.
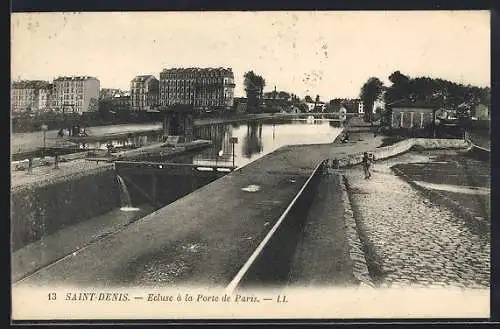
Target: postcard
x=250 y=165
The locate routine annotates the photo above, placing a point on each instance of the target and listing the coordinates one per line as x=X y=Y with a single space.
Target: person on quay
x=367 y=161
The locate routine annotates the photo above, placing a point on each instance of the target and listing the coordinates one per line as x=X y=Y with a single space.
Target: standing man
x=366 y=165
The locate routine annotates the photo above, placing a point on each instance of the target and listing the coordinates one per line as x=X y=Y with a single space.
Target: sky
x=330 y=54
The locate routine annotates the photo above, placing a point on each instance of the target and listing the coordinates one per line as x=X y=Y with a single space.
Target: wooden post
x=30 y=165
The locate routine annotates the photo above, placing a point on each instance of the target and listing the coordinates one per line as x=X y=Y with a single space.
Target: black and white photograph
x=250 y=164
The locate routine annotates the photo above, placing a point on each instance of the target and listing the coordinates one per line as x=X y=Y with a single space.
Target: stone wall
x=404 y=146
x=47 y=206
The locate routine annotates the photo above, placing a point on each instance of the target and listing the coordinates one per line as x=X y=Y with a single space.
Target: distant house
x=144 y=93
x=240 y=104
x=359 y=106
x=412 y=116
x=378 y=104
x=315 y=107
x=482 y=112
x=310 y=106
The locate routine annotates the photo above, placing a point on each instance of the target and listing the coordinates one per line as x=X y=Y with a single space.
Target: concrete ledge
x=360 y=267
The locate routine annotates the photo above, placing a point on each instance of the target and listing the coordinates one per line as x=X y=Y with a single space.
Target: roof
x=31 y=84
x=414 y=104
x=143 y=78
x=197 y=70
x=84 y=77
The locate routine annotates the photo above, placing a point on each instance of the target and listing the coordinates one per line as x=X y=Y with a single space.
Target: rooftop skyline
x=307 y=53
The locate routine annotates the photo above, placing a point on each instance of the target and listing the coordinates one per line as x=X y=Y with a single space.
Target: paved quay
x=410 y=240
x=204 y=237
x=322 y=254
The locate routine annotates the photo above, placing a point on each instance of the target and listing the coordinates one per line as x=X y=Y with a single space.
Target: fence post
x=30 y=165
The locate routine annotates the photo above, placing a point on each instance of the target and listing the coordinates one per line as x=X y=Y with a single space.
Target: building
x=144 y=93
x=120 y=102
x=202 y=88
x=31 y=96
x=482 y=112
x=108 y=93
x=413 y=116
x=77 y=94
x=240 y=104
x=378 y=105
x=361 y=107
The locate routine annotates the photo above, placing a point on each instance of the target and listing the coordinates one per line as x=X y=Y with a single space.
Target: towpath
x=411 y=240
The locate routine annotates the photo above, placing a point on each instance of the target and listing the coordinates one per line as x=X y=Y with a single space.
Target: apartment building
x=32 y=95
x=144 y=93
x=203 y=88
x=109 y=93
x=77 y=94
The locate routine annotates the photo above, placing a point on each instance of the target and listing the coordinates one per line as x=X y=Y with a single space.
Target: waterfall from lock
x=126 y=202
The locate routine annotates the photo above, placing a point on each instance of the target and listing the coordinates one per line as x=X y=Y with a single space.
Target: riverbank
x=31 y=141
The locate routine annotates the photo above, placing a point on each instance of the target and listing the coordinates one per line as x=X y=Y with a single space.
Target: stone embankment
x=402 y=147
x=44 y=203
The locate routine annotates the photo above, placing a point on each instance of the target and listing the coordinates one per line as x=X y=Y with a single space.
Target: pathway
x=410 y=240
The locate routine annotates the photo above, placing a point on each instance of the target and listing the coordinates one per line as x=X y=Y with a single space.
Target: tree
x=308 y=99
x=254 y=87
x=371 y=91
x=316 y=101
x=303 y=107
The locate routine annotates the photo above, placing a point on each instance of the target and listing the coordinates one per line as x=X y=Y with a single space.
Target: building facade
x=412 y=116
x=144 y=93
x=32 y=96
x=76 y=94
x=109 y=93
x=202 y=88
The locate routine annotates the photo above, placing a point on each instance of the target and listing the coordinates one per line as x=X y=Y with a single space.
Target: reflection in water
x=252 y=143
x=258 y=138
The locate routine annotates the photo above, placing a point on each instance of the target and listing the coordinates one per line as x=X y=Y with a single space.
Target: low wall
x=47 y=206
x=404 y=146
x=272 y=265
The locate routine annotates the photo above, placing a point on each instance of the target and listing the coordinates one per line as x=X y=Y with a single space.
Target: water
x=256 y=139
x=126 y=202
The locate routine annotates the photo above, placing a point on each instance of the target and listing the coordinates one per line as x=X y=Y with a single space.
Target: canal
x=256 y=139
x=252 y=139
